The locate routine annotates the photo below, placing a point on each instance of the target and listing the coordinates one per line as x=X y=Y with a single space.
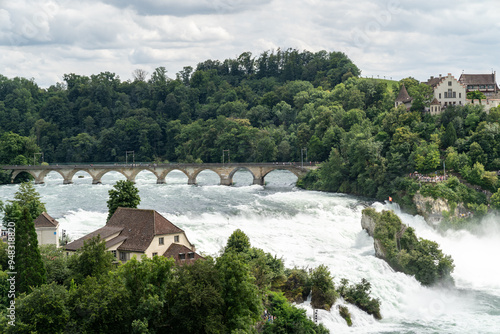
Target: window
x=482 y=87
x=123 y=256
x=459 y=102
x=445 y=95
x=114 y=253
x=191 y=255
x=460 y=95
x=454 y=95
x=440 y=95
x=161 y=241
x=449 y=83
x=450 y=93
x=176 y=238
x=155 y=254
x=182 y=256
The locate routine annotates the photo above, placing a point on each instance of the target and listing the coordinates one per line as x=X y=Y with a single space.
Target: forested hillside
x=271 y=107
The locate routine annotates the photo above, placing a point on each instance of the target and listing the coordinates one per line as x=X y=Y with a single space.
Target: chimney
x=440 y=75
x=432 y=77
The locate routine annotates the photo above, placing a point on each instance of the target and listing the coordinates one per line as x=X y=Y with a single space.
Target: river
x=306 y=229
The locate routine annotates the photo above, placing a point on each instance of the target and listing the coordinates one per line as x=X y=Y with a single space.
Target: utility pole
x=228 y=156
x=34 y=158
x=133 y=157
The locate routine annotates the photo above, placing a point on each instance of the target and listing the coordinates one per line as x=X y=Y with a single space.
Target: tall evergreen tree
x=28 y=261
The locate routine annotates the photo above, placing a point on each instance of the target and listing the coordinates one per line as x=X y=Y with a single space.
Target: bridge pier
x=96 y=181
x=160 y=181
x=191 y=181
x=226 y=181
x=258 y=181
x=68 y=181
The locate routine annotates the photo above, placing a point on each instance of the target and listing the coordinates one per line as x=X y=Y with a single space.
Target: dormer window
x=176 y=238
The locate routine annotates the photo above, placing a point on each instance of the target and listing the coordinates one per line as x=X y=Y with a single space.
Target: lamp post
x=302 y=155
x=126 y=157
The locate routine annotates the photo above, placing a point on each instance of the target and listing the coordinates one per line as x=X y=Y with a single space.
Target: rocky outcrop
x=368 y=224
x=432 y=209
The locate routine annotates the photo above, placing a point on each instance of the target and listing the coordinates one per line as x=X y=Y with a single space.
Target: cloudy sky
x=44 y=39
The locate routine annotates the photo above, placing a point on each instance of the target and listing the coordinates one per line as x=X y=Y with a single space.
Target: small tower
x=435 y=107
x=403 y=98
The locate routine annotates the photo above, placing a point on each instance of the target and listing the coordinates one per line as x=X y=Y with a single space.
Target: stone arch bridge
x=225 y=171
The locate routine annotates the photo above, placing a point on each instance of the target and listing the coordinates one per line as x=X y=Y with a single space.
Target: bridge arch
x=16 y=173
x=165 y=172
x=194 y=174
x=245 y=169
x=136 y=172
x=97 y=177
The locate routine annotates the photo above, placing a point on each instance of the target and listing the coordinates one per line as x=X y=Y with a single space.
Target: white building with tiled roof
x=136 y=232
x=47 y=230
x=448 y=91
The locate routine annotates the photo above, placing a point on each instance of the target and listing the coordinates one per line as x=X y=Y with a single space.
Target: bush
x=359 y=295
x=323 y=290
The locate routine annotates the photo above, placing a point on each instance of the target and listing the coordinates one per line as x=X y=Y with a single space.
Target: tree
x=476 y=95
x=242 y=301
x=42 y=311
x=124 y=195
x=450 y=136
x=323 y=290
x=237 y=242
x=26 y=196
x=92 y=259
x=495 y=199
x=28 y=261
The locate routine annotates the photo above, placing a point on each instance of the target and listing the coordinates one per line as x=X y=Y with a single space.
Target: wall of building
x=168 y=239
x=48 y=235
x=450 y=92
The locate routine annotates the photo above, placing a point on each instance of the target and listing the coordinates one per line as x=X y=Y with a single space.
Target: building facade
x=136 y=232
x=47 y=230
x=448 y=91
x=485 y=83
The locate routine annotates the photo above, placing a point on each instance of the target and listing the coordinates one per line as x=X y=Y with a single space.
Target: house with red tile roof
x=136 y=232
x=47 y=230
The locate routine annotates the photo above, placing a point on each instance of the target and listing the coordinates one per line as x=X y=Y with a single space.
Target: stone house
x=47 y=230
x=136 y=232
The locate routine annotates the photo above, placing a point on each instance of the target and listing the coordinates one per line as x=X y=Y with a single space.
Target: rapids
x=306 y=229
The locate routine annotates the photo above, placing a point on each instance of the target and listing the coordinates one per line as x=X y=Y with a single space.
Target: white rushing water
x=307 y=229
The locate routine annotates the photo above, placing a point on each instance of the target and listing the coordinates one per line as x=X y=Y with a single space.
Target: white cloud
x=47 y=38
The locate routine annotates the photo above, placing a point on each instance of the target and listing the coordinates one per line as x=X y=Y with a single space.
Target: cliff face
x=432 y=209
x=368 y=224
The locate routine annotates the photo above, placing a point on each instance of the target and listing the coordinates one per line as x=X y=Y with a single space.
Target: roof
x=434 y=102
x=433 y=82
x=478 y=79
x=175 y=249
x=104 y=232
x=44 y=220
x=403 y=95
x=136 y=227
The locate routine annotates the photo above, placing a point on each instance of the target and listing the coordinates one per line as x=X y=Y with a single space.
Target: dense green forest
x=272 y=107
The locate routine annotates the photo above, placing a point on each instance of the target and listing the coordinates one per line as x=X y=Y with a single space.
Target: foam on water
x=307 y=229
